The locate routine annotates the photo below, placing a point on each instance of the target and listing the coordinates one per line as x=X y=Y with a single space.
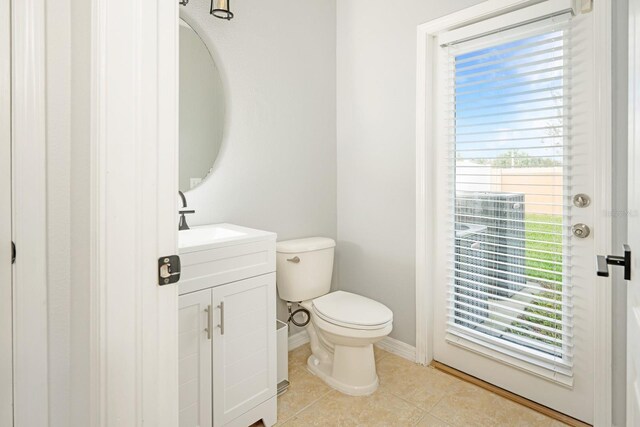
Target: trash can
x=282 y=334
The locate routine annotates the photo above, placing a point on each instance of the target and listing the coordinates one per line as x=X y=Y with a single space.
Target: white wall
x=276 y=169
x=376 y=50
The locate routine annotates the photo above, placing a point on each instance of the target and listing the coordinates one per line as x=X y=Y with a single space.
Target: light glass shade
x=220 y=9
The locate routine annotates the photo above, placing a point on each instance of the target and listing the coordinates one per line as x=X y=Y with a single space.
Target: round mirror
x=202 y=109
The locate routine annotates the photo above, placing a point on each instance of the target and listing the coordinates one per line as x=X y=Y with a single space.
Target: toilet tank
x=304 y=268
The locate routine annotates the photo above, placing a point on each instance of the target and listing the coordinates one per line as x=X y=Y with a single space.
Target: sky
x=510 y=96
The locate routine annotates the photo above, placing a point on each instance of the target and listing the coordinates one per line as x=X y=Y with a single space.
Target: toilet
x=343 y=326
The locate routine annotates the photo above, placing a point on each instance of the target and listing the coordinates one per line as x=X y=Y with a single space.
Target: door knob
x=581 y=230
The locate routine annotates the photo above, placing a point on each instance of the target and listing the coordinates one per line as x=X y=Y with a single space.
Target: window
x=509 y=132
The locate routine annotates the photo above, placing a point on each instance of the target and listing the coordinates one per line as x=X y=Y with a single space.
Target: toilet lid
x=351 y=309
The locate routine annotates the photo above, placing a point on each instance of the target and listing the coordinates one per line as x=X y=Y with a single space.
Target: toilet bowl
x=342 y=326
x=342 y=334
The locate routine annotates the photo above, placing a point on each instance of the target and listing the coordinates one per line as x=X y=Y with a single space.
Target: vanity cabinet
x=227 y=327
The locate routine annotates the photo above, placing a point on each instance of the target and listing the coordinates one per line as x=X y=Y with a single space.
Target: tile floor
x=409 y=395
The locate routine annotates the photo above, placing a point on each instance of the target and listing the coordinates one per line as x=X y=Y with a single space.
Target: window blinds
x=509 y=133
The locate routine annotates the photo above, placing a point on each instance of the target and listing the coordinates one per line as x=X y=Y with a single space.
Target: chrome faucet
x=183 y=221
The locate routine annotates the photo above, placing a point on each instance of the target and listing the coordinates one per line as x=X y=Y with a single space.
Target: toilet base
x=363 y=377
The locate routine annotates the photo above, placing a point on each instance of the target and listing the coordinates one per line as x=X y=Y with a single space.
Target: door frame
x=29 y=218
x=133 y=214
x=425 y=190
x=6 y=298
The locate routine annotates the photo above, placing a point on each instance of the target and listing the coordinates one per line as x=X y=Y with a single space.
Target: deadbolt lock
x=581 y=200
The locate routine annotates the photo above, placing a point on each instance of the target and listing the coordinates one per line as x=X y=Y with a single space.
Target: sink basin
x=199 y=236
x=216 y=235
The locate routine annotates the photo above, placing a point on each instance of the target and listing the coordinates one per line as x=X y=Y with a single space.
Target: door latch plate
x=168 y=269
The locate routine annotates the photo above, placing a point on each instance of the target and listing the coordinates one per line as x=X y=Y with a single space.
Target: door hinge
x=13 y=253
x=168 y=269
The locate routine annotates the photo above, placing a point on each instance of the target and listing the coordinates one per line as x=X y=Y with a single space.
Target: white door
x=244 y=346
x=514 y=288
x=194 y=353
x=633 y=287
x=6 y=345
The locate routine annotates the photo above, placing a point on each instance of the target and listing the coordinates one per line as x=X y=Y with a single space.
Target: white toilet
x=343 y=326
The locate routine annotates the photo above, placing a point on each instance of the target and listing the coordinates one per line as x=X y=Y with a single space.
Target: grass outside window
x=544 y=234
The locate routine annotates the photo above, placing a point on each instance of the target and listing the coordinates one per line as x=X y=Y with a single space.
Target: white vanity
x=227 y=326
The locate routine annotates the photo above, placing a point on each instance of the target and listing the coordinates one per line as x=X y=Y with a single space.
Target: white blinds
x=509 y=132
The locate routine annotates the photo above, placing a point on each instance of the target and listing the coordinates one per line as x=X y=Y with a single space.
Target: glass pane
x=509 y=137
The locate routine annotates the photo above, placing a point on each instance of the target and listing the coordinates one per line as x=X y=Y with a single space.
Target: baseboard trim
x=298 y=339
x=399 y=348
x=551 y=413
x=389 y=344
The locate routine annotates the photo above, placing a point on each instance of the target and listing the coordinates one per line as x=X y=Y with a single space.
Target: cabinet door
x=244 y=346
x=195 y=359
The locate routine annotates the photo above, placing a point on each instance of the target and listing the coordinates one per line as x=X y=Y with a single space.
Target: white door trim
x=31 y=400
x=603 y=333
x=632 y=405
x=425 y=139
x=6 y=298
x=134 y=186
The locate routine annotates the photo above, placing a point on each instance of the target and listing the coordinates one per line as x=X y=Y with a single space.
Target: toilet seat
x=352 y=311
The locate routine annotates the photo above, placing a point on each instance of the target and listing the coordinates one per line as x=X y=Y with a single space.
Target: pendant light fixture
x=220 y=9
